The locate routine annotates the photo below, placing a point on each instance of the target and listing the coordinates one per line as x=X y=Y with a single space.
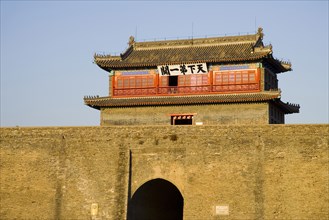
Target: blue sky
x=47 y=50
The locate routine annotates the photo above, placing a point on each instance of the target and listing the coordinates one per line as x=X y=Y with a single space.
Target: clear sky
x=47 y=50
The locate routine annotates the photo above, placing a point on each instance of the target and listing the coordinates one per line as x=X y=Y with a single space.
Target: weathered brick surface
x=250 y=113
x=259 y=171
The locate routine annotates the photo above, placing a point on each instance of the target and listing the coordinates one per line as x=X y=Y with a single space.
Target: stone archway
x=156 y=199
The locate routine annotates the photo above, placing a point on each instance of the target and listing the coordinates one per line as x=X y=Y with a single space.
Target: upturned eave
x=110 y=102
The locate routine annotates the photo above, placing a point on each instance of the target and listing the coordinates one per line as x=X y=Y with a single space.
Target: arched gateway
x=156 y=199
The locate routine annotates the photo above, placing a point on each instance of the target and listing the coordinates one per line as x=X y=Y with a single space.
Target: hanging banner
x=182 y=69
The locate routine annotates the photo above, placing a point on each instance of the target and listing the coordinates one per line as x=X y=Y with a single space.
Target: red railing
x=179 y=90
x=176 y=90
x=135 y=91
x=236 y=87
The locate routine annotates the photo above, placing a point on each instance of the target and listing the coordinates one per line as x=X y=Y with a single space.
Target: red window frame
x=236 y=80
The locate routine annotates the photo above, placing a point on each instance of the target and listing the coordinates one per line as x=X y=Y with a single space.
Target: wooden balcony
x=215 y=82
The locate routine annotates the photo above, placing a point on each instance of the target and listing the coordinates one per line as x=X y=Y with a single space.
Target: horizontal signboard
x=182 y=69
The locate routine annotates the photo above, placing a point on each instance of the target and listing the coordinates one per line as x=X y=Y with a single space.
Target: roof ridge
x=192 y=45
x=252 y=38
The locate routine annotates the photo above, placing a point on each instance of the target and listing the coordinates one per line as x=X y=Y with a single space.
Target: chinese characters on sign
x=182 y=69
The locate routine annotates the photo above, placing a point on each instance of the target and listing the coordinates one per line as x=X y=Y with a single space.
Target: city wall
x=253 y=171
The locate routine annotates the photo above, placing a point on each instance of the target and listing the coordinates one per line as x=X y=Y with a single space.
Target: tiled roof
x=213 y=50
x=288 y=108
x=193 y=54
x=99 y=102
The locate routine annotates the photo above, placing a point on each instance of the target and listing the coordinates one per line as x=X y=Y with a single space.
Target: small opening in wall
x=173 y=80
x=183 y=122
x=182 y=119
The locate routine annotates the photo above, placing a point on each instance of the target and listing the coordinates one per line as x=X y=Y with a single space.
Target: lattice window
x=193 y=80
x=235 y=80
x=124 y=82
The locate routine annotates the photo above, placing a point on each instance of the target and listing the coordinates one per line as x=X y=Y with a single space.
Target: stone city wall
x=250 y=172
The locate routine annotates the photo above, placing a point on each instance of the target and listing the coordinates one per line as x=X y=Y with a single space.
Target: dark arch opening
x=156 y=199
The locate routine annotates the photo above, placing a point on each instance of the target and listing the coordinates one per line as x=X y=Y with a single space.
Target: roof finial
x=131 y=40
x=260 y=32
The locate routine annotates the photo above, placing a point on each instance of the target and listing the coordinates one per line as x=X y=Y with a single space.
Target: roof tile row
x=181 y=100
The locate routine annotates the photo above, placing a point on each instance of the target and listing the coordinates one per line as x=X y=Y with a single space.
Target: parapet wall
x=256 y=172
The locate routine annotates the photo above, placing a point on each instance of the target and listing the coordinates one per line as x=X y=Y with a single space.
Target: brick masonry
x=248 y=113
x=258 y=171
